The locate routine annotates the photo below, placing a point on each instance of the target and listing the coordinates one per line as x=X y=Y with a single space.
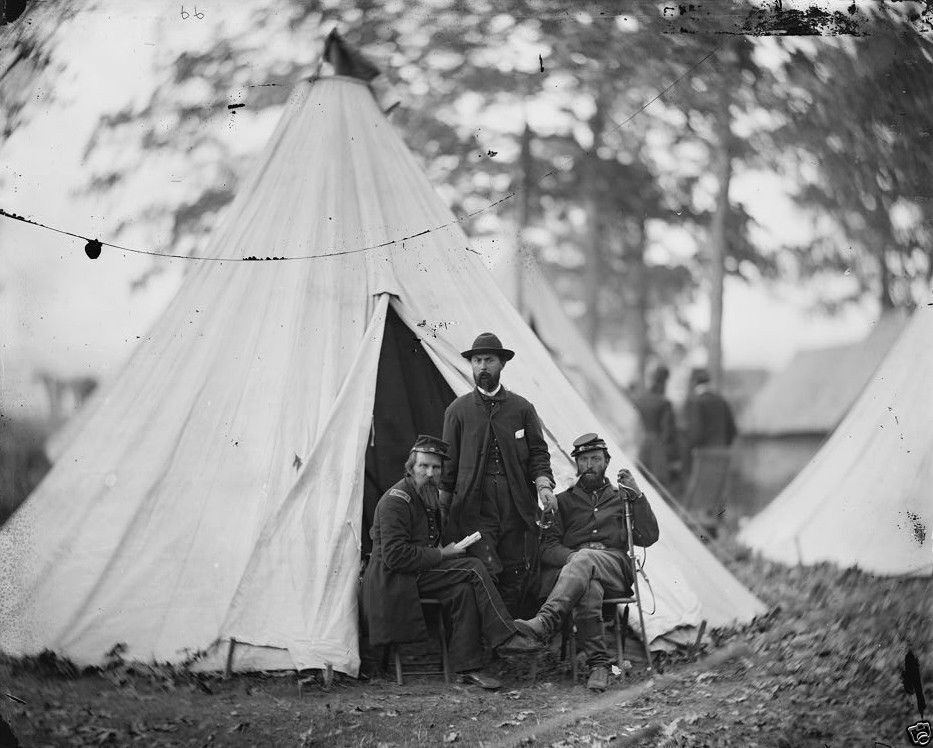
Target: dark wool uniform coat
x=596 y=516
x=709 y=420
x=405 y=534
x=660 y=446
x=525 y=457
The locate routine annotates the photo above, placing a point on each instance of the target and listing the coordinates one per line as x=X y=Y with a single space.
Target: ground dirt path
x=823 y=667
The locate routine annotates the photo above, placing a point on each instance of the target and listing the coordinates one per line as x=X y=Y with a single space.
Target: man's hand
x=627 y=481
x=546 y=499
x=451 y=551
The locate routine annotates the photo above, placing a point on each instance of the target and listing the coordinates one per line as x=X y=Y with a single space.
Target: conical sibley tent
x=866 y=498
x=215 y=490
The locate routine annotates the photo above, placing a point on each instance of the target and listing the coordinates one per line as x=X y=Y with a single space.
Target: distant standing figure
x=710 y=422
x=660 y=449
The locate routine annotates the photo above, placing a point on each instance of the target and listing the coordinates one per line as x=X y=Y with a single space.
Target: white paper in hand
x=469 y=540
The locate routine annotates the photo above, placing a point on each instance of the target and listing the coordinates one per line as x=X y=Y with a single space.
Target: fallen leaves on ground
x=823 y=666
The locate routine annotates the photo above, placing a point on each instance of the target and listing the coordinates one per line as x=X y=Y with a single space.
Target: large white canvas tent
x=215 y=490
x=866 y=498
x=524 y=282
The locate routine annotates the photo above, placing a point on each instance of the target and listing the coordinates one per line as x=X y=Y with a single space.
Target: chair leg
x=442 y=640
x=644 y=639
x=620 y=618
x=398 y=665
x=574 y=670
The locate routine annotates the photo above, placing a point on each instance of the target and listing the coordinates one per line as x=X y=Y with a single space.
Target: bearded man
x=499 y=471
x=587 y=542
x=408 y=563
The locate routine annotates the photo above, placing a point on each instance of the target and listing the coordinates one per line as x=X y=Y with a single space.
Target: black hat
x=431 y=445
x=587 y=443
x=699 y=376
x=660 y=374
x=487 y=342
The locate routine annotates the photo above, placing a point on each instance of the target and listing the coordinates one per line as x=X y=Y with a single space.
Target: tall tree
x=861 y=127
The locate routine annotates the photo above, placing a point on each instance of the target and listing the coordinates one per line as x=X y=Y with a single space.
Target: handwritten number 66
x=197 y=14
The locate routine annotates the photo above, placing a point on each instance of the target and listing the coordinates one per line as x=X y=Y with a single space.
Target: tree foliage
x=636 y=135
x=860 y=124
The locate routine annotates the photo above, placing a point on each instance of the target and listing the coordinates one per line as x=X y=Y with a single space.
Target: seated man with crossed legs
x=408 y=563
x=588 y=541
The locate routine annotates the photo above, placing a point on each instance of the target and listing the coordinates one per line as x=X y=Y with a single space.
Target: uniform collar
x=479 y=397
x=600 y=490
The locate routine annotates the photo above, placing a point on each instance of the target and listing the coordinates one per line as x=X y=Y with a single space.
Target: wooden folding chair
x=434 y=617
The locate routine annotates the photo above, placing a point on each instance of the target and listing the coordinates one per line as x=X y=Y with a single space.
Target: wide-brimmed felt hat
x=487 y=342
x=431 y=445
x=588 y=443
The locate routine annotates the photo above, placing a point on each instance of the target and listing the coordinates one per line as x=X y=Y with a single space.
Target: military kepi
x=587 y=443
x=431 y=445
x=487 y=342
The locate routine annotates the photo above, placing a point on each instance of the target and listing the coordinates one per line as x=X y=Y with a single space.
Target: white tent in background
x=215 y=489
x=541 y=308
x=866 y=498
x=787 y=421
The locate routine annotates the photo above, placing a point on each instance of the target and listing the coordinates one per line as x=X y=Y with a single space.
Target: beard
x=486 y=381
x=429 y=491
x=592 y=479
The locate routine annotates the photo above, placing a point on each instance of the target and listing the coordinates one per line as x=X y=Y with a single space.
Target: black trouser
x=472 y=604
x=503 y=548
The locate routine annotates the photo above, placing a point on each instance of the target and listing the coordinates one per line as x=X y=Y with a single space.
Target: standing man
x=408 y=563
x=587 y=544
x=660 y=449
x=499 y=471
x=709 y=418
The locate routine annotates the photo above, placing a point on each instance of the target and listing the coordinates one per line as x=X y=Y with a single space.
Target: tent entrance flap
x=411 y=396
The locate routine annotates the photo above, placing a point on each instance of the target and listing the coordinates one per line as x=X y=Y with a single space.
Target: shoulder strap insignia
x=397 y=492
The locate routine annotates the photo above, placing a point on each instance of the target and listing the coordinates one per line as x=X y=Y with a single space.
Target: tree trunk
x=593 y=270
x=883 y=219
x=524 y=216
x=884 y=272
x=718 y=242
x=642 y=302
x=594 y=265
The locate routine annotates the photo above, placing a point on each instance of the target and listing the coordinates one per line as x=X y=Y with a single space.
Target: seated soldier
x=588 y=540
x=407 y=564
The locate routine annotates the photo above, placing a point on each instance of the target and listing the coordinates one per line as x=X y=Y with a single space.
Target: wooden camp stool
x=434 y=617
x=617 y=609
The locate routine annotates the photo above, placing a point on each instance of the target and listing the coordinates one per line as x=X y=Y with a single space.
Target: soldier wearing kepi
x=408 y=563
x=587 y=542
x=499 y=471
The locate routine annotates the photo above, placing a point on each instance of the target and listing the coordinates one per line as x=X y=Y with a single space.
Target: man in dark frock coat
x=408 y=563
x=499 y=471
x=660 y=449
x=709 y=418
